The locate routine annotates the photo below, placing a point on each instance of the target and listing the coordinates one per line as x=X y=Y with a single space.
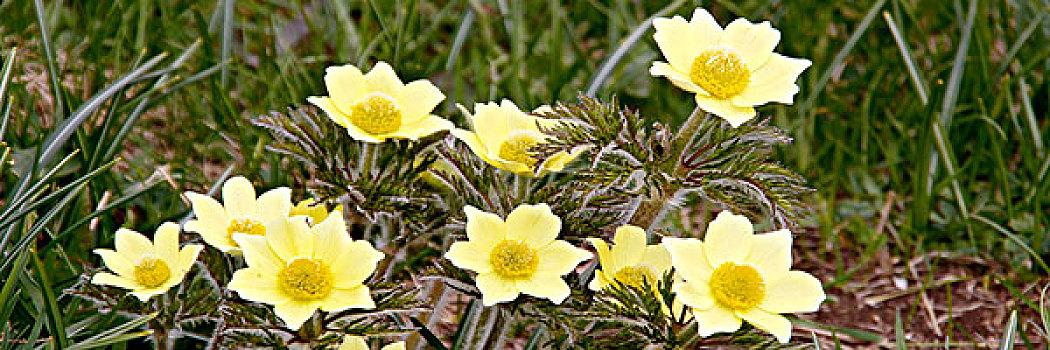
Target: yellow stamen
x=634 y=275
x=246 y=226
x=737 y=287
x=720 y=72
x=377 y=114
x=305 y=279
x=513 y=260
x=516 y=148
x=152 y=272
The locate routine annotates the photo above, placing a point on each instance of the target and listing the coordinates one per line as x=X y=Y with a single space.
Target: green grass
x=110 y=111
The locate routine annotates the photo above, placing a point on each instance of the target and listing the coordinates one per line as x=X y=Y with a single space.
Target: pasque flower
x=519 y=255
x=310 y=208
x=358 y=343
x=376 y=106
x=503 y=136
x=147 y=268
x=730 y=70
x=736 y=275
x=299 y=268
x=241 y=212
x=630 y=260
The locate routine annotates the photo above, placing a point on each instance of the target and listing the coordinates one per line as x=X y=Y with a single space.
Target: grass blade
x=909 y=61
x=1007 y=340
x=840 y=57
x=614 y=59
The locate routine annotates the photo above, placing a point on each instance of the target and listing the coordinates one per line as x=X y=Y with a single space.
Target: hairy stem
x=687 y=131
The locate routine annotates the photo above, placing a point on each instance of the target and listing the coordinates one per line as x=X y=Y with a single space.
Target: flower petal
x=492 y=125
x=132 y=244
x=796 y=291
x=356 y=264
x=118 y=263
x=328 y=106
x=604 y=254
x=332 y=239
x=294 y=313
x=258 y=254
x=418 y=99
x=628 y=245
x=773 y=82
x=188 y=256
x=257 y=285
x=485 y=229
x=728 y=239
x=689 y=258
x=474 y=143
x=600 y=281
x=658 y=258
x=695 y=295
x=425 y=126
x=559 y=258
x=682 y=41
x=353 y=343
x=495 y=289
x=238 y=196
x=290 y=238
x=341 y=299
x=166 y=243
x=715 y=320
x=211 y=220
x=725 y=109
x=395 y=346
x=535 y=225
x=360 y=135
x=346 y=85
x=382 y=78
x=771 y=253
x=678 y=78
x=145 y=294
x=777 y=325
x=108 y=279
x=275 y=203
x=471 y=256
x=754 y=42
x=545 y=286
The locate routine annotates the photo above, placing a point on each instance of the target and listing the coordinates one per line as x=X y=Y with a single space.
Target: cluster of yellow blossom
x=301 y=258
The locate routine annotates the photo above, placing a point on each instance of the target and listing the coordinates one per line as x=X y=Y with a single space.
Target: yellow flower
x=376 y=106
x=145 y=268
x=630 y=260
x=520 y=255
x=298 y=268
x=240 y=212
x=503 y=135
x=731 y=70
x=313 y=210
x=735 y=274
x=358 y=343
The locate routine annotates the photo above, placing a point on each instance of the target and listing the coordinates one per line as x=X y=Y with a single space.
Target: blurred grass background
x=932 y=111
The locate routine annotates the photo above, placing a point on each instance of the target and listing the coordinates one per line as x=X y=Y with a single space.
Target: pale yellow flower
x=503 y=135
x=358 y=343
x=299 y=268
x=147 y=268
x=518 y=256
x=731 y=70
x=240 y=211
x=630 y=260
x=735 y=274
x=376 y=106
x=313 y=210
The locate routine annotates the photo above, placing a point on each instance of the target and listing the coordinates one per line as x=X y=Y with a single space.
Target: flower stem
x=687 y=131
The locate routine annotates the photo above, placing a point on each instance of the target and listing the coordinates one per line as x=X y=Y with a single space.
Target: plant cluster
x=505 y=208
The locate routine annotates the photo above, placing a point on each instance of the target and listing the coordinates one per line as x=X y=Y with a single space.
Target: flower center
x=377 y=114
x=635 y=275
x=246 y=226
x=516 y=148
x=513 y=260
x=305 y=279
x=737 y=287
x=152 y=272
x=720 y=72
